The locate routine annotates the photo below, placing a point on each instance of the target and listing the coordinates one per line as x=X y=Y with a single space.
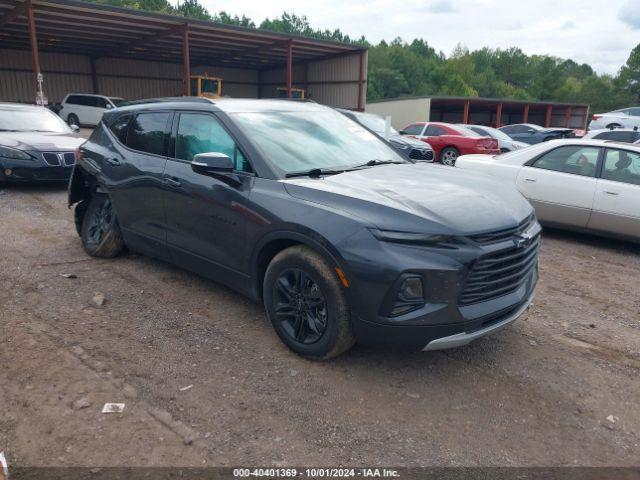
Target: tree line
x=399 y=68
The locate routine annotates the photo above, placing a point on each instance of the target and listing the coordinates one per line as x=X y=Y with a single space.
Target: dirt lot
x=560 y=387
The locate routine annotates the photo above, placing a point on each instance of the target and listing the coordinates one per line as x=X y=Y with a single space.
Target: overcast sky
x=601 y=33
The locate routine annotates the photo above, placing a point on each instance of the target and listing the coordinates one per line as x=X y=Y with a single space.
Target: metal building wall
x=402 y=112
x=333 y=81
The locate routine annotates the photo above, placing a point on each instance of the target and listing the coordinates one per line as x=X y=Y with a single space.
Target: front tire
x=611 y=126
x=100 y=233
x=73 y=119
x=449 y=155
x=306 y=304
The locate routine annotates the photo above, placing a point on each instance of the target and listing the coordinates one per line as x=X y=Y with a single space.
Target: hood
x=41 y=141
x=412 y=142
x=421 y=198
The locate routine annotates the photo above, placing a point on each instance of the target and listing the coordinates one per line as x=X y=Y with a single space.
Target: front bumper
x=32 y=171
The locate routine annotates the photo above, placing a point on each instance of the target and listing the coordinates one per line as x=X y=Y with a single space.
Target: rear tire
x=449 y=155
x=73 y=119
x=306 y=305
x=100 y=234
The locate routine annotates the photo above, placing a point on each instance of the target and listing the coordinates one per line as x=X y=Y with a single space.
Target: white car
x=623 y=118
x=505 y=142
x=578 y=184
x=626 y=135
x=85 y=109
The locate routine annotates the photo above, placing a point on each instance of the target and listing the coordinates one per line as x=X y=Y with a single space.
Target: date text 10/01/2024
x=316 y=472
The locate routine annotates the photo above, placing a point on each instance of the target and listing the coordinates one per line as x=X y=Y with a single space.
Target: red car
x=450 y=141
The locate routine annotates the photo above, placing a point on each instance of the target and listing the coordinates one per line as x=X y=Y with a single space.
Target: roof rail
x=168 y=100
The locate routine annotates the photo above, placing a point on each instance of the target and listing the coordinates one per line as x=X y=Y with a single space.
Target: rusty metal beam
x=361 y=82
x=289 y=67
x=186 y=63
x=465 y=115
x=547 y=122
x=35 y=54
x=525 y=114
x=19 y=10
x=499 y=116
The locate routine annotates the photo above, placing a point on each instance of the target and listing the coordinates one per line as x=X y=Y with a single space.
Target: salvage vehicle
x=531 y=134
x=295 y=205
x=449 y=141
x=205 y=86
x=505 y=142
x=79 y=109
x=584 y=185
x=623 y=118
x=412 y=148
x=35 y=144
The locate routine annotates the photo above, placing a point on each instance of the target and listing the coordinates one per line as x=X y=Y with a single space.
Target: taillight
x=78 y=154
x=596 y=117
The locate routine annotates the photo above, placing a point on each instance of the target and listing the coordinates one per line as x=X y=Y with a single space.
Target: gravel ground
x=207 y=382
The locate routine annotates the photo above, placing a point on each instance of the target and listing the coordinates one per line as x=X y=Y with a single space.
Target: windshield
x=301 y=141
x=375 y=123
x=31 y=120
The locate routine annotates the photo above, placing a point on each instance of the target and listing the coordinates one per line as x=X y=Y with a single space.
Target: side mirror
x=531 y=130
x=212 y=162
x=109 y=106
x=74 y=128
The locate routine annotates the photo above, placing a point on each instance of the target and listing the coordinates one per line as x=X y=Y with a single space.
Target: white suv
x=623 y=118
x=84 y=109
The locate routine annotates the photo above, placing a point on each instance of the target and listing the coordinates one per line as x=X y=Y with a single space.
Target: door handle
x=172 y=182
x=615 y=194
x=113 y=161
x=530 y=180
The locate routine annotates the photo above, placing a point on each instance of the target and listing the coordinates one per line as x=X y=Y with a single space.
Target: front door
x=616 y=207
x=205 y=212
x=561 y=184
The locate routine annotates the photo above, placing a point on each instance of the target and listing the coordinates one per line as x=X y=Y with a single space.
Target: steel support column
x=35 y=54
x=465 y=115
x=186 y=64
x=499 y=116
x=525 y=114
x=289 y=67
x=547 y=122
x=361 y=82
x=94 y=76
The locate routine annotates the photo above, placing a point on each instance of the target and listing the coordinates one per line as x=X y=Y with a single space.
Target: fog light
x=8 y=172
x=411 y=289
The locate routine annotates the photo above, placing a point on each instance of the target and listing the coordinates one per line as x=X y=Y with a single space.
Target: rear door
x=206 y=214
x=133 y=171
x=433 y=136
x=616 y=207
x=561 y=184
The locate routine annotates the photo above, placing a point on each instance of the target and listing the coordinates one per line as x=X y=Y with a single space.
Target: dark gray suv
x=296 y=206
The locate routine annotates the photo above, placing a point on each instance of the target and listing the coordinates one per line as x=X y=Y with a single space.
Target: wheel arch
x=275 y=242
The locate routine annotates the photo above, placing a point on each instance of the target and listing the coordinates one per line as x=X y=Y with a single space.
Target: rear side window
x=100 y=102
x=573 y=159
x=146 y=133
x=413 y=129
x=435 y=131
x=119 y=127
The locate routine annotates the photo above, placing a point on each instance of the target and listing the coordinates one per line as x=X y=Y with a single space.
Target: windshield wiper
x=314 y=172
x=373 y=163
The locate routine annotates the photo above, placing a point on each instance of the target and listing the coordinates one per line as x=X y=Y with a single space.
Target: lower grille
x=421 y=154
x=56 y=159
x=500 y=273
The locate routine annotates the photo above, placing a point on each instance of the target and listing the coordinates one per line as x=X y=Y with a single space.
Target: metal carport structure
x=100 y=49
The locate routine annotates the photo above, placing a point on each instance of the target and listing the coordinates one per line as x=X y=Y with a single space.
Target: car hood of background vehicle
x=421 y=197
x=42 y=141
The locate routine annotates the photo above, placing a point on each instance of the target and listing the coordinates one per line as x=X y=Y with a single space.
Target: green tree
x=629 y=77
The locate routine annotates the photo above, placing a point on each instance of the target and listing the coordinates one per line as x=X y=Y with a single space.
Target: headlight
x=401 y=146
x=409 y=237
x=8 y=152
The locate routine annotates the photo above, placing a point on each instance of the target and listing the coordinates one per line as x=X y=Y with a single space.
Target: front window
x=467 y=132
x=31 y=120
x=299 y=141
